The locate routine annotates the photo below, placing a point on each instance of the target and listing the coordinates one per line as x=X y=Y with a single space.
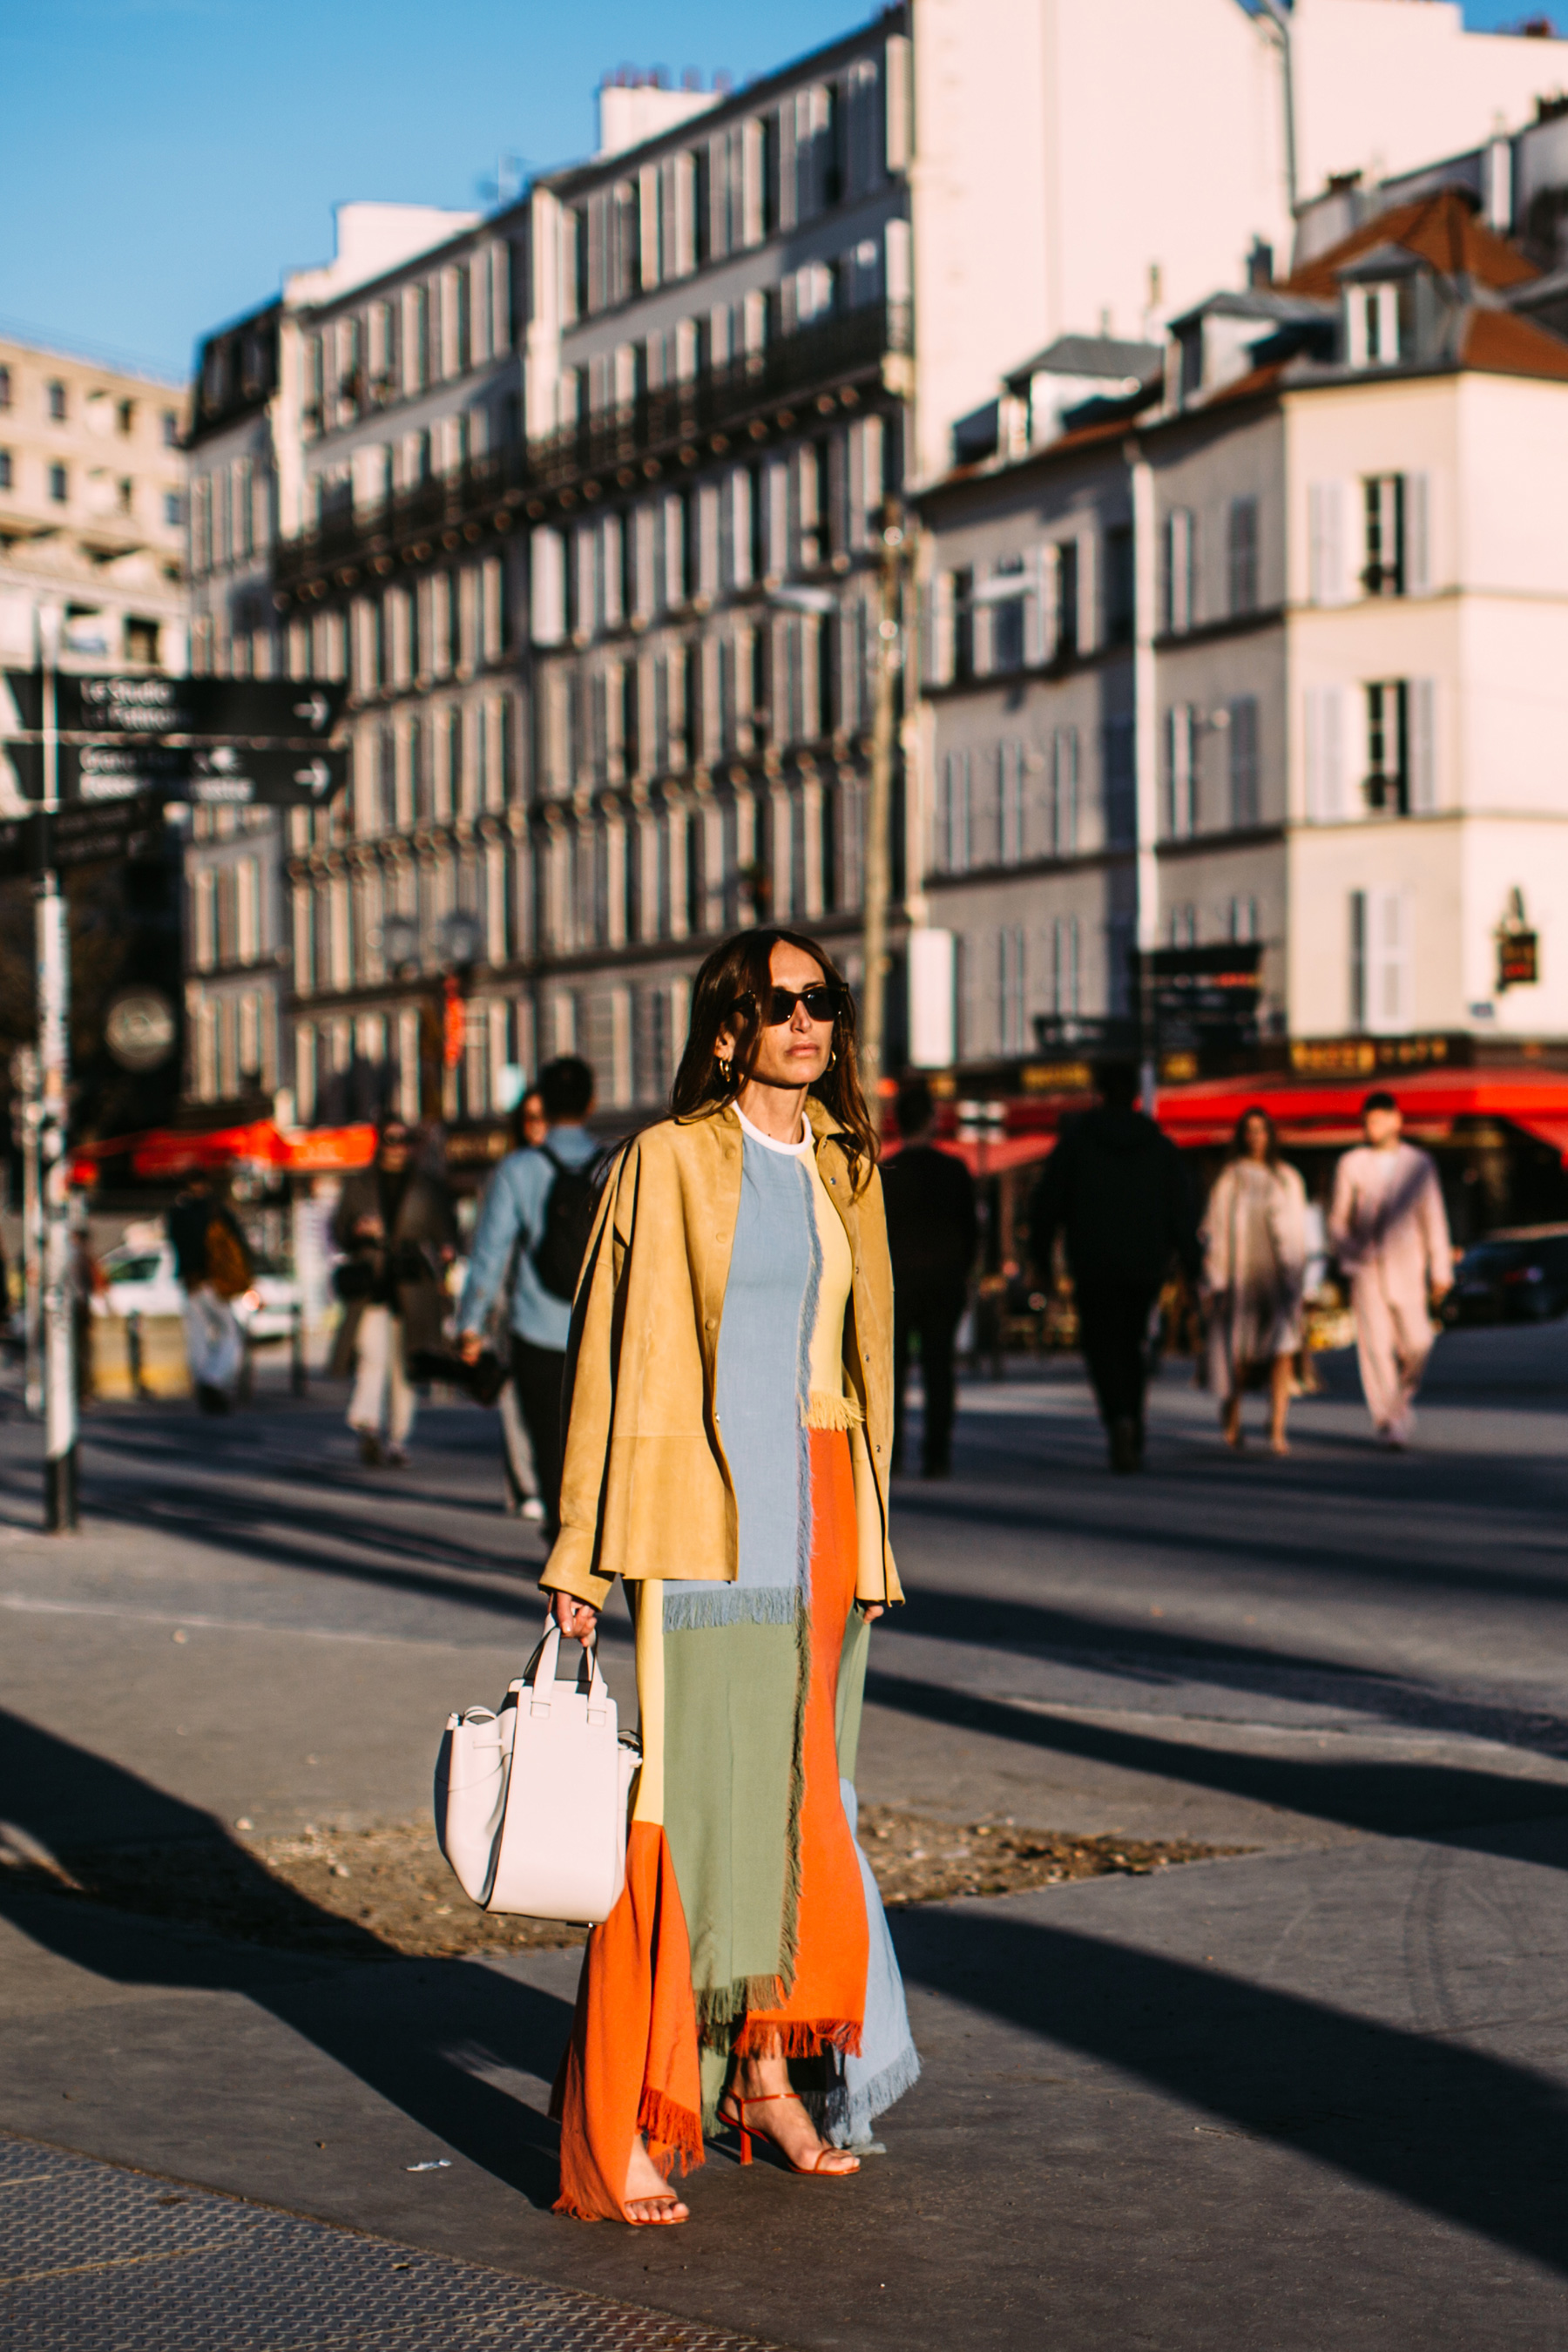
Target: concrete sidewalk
x=1312 y=2096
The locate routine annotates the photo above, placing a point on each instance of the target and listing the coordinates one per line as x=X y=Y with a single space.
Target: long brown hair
x=731 y=992
x=1238 y=1140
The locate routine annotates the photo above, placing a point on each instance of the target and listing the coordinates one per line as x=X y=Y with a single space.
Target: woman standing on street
x=730 y=1396
x=396 y=1228
x=1255 y=1257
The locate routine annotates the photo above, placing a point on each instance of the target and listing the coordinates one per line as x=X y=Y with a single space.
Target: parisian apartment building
x=1262 y=646
x=585 y=499
x=92 y=513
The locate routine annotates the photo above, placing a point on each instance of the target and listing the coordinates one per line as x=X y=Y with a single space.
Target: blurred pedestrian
x=933 y=1229
x=1255 y=1255
x=394 y=1223
x=530 y=1127
x=531 y=1235
x=212 y=1261
x=1114 y=1187
x=1389 y=1230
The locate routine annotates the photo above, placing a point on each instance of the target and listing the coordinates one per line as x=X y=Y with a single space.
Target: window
x=1241 y=550
x=1387 y=783
x=1010 y=802
x=1382 y=961
x=1061 y=794
x=1181 y=771
x=1067 y=630
x=1178 y=563
x=1243 y=739
x=1184 y=926
x=173 y=508
x=1119 y=755
x=1010 y=987
x=142 y=641
x=1244 y=919
x=1007 y=620
x=953 y=816
x=7 y=479
x=124 y=494
x=1384 y=572
x=60 y=487
x=4 y=387
x=171 y=429
x=1065 y=965
x=125 y=418
x=1120 y=606
x=55 y=398
x=1378 y=321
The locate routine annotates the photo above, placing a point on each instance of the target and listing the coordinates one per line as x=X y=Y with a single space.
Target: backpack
x=557 y=1255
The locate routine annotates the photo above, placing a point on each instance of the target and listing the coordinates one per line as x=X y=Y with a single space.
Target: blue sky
x=164 y=161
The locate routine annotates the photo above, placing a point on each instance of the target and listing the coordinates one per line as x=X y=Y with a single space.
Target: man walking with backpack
x=532 y=1232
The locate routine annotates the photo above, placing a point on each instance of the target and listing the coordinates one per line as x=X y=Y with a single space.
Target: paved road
x=1312 y=2094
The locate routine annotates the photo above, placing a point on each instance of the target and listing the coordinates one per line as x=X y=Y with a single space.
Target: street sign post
x=97 y=756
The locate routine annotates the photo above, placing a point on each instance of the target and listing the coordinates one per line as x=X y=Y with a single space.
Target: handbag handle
x=539 y=1674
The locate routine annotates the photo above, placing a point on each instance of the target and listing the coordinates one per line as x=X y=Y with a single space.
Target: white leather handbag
x=532 y=1800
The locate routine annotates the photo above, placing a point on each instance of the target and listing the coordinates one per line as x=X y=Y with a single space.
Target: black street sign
x=84 y=835
x=153 y=707
x=225 y=775
x=1197 y=992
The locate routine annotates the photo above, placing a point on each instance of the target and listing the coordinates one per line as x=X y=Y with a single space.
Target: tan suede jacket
x=645 y=1490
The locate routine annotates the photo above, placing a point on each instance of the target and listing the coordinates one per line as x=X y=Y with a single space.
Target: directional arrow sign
x=149 y=707
x=224 y=775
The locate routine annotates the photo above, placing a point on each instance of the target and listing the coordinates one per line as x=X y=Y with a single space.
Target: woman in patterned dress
x=730 y=1386
x=1254 y=1258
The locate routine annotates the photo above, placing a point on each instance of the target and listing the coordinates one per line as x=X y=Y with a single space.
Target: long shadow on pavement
x=1464 y=2136
x=1394 y=1799
x=72 y=1802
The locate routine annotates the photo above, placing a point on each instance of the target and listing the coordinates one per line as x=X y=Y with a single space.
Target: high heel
x=737 y=2123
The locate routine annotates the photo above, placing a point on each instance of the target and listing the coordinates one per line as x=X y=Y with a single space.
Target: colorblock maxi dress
x=749 y=1919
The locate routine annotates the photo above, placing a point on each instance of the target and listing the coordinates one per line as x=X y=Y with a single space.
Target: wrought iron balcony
x=849 y=348
x=349 y=535
x=845 y=350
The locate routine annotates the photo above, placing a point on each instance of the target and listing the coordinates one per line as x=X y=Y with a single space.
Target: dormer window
x=1375 y=337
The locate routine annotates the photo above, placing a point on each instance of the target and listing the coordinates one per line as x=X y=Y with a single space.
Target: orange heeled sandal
x=813 y=2171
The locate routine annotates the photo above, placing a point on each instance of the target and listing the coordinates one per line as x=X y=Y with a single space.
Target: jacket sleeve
x=501 y=1220
x=1340 y=1213
x=1213 y=1233
x=1434 y=1232
x=1184 y=1228
x=588 y=1396
x=1048 y=1205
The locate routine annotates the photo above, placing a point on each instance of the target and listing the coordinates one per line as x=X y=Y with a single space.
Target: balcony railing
x=819 y=358
x=350 y=532
x=829 y=356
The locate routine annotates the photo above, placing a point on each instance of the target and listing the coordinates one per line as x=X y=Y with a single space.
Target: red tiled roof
x=1442 y=229
x=1503 y=344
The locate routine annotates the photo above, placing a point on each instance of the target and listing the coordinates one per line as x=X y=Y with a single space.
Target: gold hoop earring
x=725 y=1066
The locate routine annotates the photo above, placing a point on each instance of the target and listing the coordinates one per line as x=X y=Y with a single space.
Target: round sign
x=140 y=1029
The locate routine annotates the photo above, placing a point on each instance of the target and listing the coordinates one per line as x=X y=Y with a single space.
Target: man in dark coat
x=1116 y=1188
x=396 y=1228
x=931 y=1233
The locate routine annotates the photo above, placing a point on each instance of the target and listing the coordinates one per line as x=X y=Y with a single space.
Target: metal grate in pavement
x=94 y=2259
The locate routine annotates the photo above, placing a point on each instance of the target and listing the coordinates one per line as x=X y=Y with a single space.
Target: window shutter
x=1390 y=975
x=1418 y=535
x=1326 y=548
x=939 y=651
x=1325 y=755
x=1423 y=714
x=1039 y=623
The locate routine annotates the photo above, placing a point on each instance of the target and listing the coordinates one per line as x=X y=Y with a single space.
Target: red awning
x=168 y=1152
x=1305 y=1112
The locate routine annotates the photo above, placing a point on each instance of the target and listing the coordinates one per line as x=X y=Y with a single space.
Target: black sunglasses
x=822 y=1001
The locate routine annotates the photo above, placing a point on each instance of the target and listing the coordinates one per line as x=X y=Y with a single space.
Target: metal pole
x=1146 y=759
x=877 y=876
x=53 y=1070
x=26 y=1123
x=1279 y=18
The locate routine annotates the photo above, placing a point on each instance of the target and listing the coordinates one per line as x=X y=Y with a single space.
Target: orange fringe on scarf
x=634 y=2039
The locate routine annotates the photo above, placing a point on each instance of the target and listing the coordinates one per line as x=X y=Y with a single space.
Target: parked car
x=1519 y=1274
x=140 y=1280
